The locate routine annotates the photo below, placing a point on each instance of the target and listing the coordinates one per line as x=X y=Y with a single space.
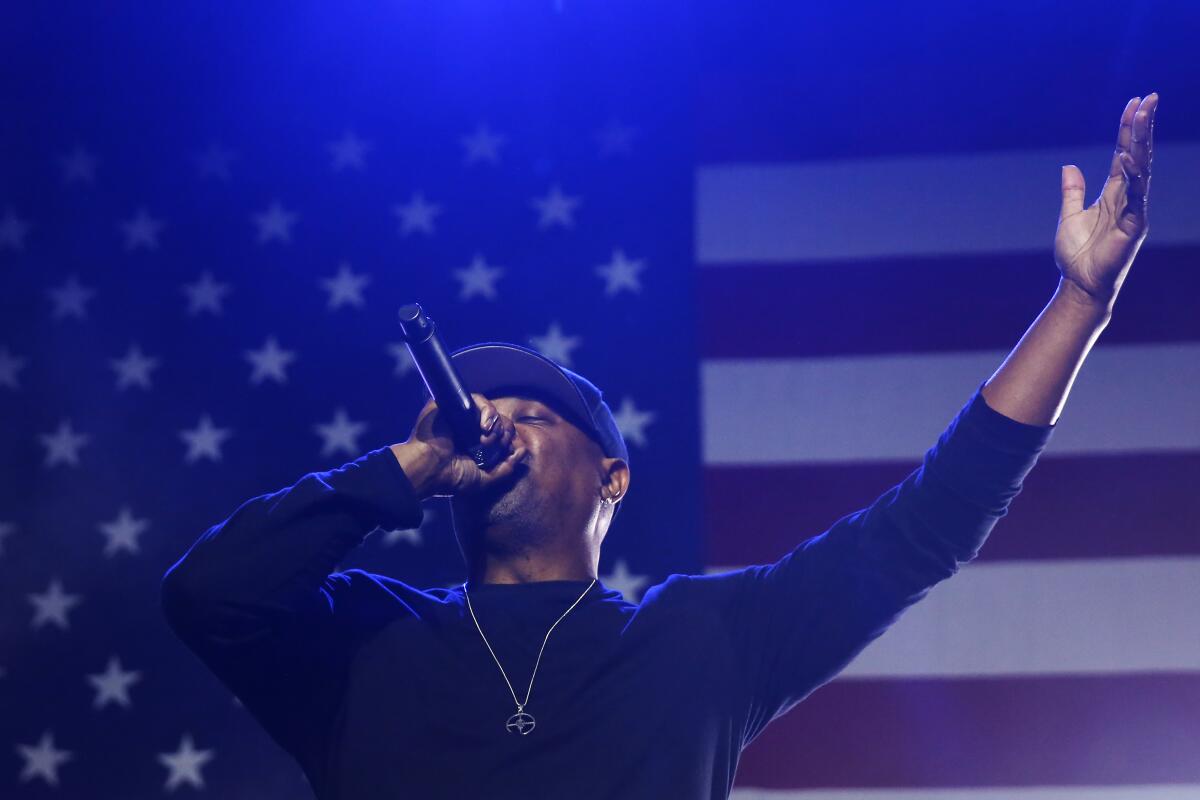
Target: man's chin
x=486 y=502
x=505 y=486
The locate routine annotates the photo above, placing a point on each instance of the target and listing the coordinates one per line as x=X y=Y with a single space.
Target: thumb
x=504 y=468
x=1073 y=188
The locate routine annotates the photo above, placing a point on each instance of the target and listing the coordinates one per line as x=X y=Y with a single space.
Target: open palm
x=1095 y=246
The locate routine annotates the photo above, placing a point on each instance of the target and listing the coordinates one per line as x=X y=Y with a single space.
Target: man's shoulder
x=689 y=588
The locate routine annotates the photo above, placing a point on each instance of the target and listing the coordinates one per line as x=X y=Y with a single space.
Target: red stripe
x=1073 y=730
x=1070 y=507
x=926 y=304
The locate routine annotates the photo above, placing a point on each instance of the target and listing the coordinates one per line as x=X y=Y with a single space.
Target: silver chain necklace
x=521 y=722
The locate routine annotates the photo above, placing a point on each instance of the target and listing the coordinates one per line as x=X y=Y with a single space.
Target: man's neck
x=536 y=571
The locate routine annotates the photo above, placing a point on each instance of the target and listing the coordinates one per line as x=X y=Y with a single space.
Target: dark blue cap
x=488 y=366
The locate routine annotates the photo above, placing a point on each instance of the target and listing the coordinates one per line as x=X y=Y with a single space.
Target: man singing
x=534 y=680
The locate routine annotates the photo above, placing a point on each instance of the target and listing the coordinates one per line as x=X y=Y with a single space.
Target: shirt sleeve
x=792 y=625
x=256 y=596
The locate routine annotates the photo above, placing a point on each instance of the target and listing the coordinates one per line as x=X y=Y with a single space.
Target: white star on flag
x=269 y=362
x=275 y=224
x=43 y=759
x=79 y=165
x=204 y=441
x=615 y=138
x=134 y=368
x=6 y=530
x=416 y=215
x=482 y=145
x=632 y=422
x=412 y=535
x=621 y=273
x=71 y=298
x=142 y=231
x=404 y=359
x=555 y=346
x=13 y=230
x=349 y=151
x=341 y=434
x=214 y=162
x=184 y=764
x=112 y=685
x=346 y=287
x=478 y=278
x=52 y=606
x=629 y=584
x=122 y=532
x=10 y=365
x=63 y=445
x=556 y=208
x=205 y=294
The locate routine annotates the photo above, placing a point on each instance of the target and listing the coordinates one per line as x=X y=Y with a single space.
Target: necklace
x=521 y=722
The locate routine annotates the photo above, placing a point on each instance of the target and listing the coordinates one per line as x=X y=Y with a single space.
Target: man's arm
x=781 y=630
x=790 y=626
x=269 y=560
x=1094 y=249
x=257 y=599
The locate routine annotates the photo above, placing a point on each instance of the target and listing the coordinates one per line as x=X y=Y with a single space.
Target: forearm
x=275 y=550
x=1032 y=384
x=419 y=465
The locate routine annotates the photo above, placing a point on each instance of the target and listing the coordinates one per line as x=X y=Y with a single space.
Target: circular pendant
x=521 y=723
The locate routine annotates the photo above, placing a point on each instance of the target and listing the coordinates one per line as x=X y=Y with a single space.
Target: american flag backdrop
x=787 y=244
x=205 y=242
x=890 y=221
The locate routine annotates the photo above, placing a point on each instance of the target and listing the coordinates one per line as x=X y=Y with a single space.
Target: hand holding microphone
x=460 y=442
x=437 y=468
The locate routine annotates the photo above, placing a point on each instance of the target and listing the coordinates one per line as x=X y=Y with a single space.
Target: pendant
x=520 y=722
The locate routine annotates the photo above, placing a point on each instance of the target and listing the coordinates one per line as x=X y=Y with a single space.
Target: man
x=533 y=679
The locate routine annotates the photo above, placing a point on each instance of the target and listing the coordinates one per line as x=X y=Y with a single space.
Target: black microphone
x=445 y=385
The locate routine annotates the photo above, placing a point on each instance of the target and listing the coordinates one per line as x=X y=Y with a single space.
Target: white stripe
x=1101 y=616
x=1160 y=792
x=1127 y=398
x=869 y=208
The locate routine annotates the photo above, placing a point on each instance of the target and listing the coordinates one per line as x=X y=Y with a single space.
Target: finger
x=1136 y=188
x=491 y=428
x=507 y=465
x=1138 y=146
x=1151 y=106
x=1137 y=178
x=487 y=411
x=1124 y=136
x=506 y=430
x=494 y=433
x=1073 y=188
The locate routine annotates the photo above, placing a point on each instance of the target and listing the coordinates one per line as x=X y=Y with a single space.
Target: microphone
x=445 y=385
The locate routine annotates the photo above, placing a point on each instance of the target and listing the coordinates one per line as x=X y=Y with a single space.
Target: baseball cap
x=487 y=366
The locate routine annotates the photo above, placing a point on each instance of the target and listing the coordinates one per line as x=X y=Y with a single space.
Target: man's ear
x=616 y=478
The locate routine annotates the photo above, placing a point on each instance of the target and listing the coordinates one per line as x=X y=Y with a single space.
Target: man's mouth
x=505 y=485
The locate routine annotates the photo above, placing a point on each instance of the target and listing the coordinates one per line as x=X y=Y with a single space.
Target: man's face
x=557 y=483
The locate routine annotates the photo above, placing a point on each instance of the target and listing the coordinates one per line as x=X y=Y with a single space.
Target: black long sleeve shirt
x=380 y=689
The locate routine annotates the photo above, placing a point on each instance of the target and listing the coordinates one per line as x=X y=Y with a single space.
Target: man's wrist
x=1087 y=306
x=419 y=464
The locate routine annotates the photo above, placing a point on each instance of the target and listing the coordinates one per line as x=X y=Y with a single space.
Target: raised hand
x=1094 y=247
